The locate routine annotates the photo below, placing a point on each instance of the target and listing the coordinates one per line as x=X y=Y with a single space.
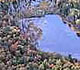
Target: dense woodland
x=18 y=48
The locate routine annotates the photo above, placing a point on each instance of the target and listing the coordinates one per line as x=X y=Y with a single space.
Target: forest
x=19 y=44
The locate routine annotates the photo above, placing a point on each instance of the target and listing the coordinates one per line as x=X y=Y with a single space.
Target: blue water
x=57 y=36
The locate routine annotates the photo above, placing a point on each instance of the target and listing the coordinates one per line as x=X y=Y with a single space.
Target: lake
x=57 y=36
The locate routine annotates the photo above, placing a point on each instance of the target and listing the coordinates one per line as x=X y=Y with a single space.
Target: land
x=18 y=50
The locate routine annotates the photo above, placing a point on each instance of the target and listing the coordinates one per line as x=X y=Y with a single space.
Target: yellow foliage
x=75 y=1
x=44 y=5
x=7 y=0
x=78 y=21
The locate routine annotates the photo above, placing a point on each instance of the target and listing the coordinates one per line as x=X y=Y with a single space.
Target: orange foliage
x=15 y=45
